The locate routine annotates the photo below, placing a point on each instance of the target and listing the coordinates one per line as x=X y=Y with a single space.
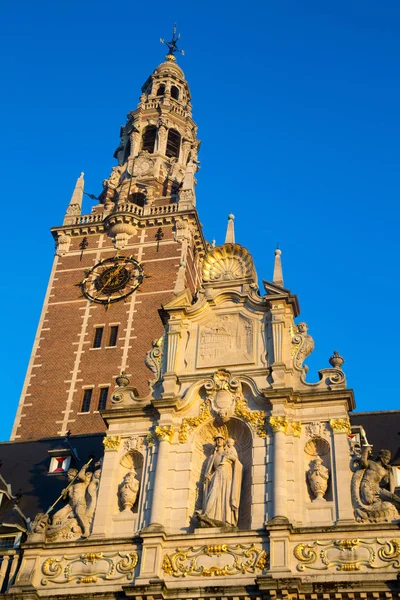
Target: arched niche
x=132 y=460
x=203 y=447
x=318 y=447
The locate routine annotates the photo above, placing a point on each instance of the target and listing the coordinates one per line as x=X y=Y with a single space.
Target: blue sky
x=297 y=104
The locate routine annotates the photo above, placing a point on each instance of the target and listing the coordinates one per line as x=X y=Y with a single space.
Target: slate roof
x=25 y=467
x=382 y=429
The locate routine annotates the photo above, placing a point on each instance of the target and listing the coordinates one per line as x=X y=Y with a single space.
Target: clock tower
x=116 y=267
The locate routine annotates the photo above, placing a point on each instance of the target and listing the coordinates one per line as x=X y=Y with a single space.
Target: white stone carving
x=316 y=429
x=74 y=520
x=128 y=491
x=226 y=339
x=318 y=477
x=62 y=244
x=222 y=485
x=223 y=390
x=135 y=442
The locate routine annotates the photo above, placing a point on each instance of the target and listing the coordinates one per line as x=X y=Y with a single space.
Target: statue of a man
x=222 y=485
x=377 y=482
x=76 y=496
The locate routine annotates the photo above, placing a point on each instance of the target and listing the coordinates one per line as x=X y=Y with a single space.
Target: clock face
x=112 y=279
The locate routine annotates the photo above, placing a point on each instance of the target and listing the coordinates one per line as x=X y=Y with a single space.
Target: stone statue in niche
x=318 y=477
x=222 y=485
x=128 y=491
x=75 y=519
x=372 y=488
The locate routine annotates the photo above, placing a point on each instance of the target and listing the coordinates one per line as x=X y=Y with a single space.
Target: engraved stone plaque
x=225 y=340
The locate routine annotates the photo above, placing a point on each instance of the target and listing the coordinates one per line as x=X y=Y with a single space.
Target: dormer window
x=149 y=139
x=175 y=92
x=161 y=90
x=59 y=464
x=173 y=143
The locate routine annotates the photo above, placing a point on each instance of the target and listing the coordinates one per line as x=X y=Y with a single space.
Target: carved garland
x=347 y=554
x=90 y=567
x=240 y=558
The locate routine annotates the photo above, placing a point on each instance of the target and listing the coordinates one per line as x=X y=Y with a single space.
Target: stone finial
x=336 y=360
x=278 y=275
x=230 y=230
x=75 y=204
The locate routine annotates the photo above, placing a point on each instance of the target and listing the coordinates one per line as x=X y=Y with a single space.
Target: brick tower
x=115 y=268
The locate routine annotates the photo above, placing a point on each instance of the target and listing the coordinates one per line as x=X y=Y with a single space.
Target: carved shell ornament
x=228 y=262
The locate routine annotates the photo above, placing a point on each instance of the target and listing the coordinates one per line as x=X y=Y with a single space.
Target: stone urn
x=128 y=491
x=318 y=477
x=336 y=360
x=122 y=380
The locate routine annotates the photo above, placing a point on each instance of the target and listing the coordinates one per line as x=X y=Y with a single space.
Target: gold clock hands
x=112 y=276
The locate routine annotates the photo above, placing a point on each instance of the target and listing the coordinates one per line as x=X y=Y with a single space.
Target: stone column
x=164 y=434
x=3 y=569
x=341 y=474
x=279 y=426
x=169 y=379
x=278 y=328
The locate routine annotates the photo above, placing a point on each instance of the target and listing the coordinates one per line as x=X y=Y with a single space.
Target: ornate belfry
x=232 y=476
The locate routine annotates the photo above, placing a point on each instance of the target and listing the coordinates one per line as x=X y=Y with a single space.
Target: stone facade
x=225 y=473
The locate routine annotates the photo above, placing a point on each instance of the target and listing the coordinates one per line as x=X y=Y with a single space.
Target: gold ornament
x=340 y=426
x=255 y=418
x=348 y=555
x=279 y=424
x=189 y=423
x=111 y=443
x=105 y=566
x=240 y=558
x=296 y=428
x=165 y=433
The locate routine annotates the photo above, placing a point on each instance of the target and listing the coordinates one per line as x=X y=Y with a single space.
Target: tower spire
x=278 y=275
x=75 y=204
x=230 y=230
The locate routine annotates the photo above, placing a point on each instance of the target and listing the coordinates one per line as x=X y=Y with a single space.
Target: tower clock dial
x=112 y=279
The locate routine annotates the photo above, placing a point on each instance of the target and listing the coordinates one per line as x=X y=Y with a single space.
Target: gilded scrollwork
x=340 y=426
x=189 y=423
x=255 y=418
x=229 y=559
x=348 y=555
x=296 y=428
x=111 y=443
x=164 y=433
x=278 y=424
x=89 y=567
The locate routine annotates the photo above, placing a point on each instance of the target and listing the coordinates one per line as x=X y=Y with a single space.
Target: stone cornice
x=158 y=215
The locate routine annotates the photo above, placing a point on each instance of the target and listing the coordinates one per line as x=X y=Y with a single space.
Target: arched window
x=173 y=143
x=138 y=198
x=149 y=138
x=175 y=92
x=161 y=90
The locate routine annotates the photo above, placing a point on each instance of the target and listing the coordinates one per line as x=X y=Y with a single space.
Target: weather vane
x=172 y=45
